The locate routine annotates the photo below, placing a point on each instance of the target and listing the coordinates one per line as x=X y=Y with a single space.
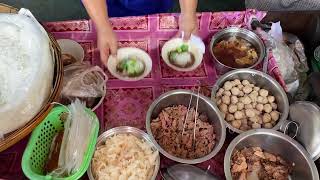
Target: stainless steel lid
x=307 y=116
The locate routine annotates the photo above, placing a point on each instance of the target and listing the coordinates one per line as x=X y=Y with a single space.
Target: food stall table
x=126 y=103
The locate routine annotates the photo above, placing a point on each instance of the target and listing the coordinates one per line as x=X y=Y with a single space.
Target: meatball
x=226 y=99
x=275 y=115
x=219 y=93
x=227 y=85
x=245 y=82
x=250 y=113
x=238 y=115
x=234 y=100
x=235 y=91
x=267 y=108
x=263 y=92
x=229 y=117
x=232 y=108
x=266 y=118
x=223 y=108
x=247 y=89
x=236 y=123
x=271 y=99
x=240 y=106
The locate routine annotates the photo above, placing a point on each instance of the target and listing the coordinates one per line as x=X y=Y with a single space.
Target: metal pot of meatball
x=250 y=99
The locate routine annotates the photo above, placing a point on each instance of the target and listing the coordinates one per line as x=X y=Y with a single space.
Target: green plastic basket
x=38 y=148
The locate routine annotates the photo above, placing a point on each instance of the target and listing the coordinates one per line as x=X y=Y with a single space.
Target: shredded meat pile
x=253 y=163
x=168 y=126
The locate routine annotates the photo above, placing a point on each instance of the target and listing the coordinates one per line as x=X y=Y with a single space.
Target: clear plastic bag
x=77 y=131
x=288 y=51
x=299 y=57
x=85 y=82
x=283 y=54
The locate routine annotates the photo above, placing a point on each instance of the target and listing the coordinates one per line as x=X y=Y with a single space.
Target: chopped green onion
x=179 y=50
x=184 y=48
x=173 y=55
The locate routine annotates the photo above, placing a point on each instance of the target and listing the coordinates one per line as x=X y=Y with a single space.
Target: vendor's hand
x=188 y=23
x=107 y=44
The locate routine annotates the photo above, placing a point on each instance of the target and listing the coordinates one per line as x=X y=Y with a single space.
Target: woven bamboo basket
x=15 y=136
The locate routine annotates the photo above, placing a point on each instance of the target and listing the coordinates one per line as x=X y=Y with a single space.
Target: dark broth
x=228 y=55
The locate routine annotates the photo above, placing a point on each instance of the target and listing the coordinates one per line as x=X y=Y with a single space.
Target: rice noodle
x=123 y=157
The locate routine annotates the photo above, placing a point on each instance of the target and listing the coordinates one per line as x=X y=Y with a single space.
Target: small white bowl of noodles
x=131 y=64
x=183 y=55
x=122 y=153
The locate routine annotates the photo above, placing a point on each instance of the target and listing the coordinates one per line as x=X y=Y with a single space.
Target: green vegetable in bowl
x=131 y=67
x=181 y=57
x=173 y=55
x=184 y=47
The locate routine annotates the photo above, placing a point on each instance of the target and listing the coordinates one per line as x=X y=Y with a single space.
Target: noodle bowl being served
x=130 y=64
x=183 y=55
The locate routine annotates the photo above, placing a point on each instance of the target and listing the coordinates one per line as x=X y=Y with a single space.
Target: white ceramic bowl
x=72 y=48
x=125 y=53
x=175 y=43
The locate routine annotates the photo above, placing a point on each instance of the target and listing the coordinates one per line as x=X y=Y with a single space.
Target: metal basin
x=277 y=143
x=263 y=81
x=182 y=97
x=126 y=130
x=250 y=36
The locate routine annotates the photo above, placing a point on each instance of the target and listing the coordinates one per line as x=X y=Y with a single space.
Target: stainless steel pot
x=182 y=97
x=126 y=130
x=263 y=81
x=250 y=36
x=278 y=143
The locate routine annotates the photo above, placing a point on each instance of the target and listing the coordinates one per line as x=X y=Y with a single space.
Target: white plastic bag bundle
x=282 y=54
x=26 y=69
x=77 y=131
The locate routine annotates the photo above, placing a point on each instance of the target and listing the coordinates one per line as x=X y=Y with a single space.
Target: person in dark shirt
x=100 y=12
x=120 y=8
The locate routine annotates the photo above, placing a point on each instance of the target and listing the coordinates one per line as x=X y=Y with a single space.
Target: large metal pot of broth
x=234 y=48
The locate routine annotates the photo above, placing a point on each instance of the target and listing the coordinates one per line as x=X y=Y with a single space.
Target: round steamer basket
x=15 y=136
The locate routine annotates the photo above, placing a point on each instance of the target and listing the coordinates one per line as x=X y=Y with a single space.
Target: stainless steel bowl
x=263 y=81
x=250 y=36
x=126 y=130
x=278 y=143
x=182 y=97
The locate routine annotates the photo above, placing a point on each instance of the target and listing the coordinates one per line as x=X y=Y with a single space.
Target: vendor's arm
x=188 y=18
x=107 y=40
